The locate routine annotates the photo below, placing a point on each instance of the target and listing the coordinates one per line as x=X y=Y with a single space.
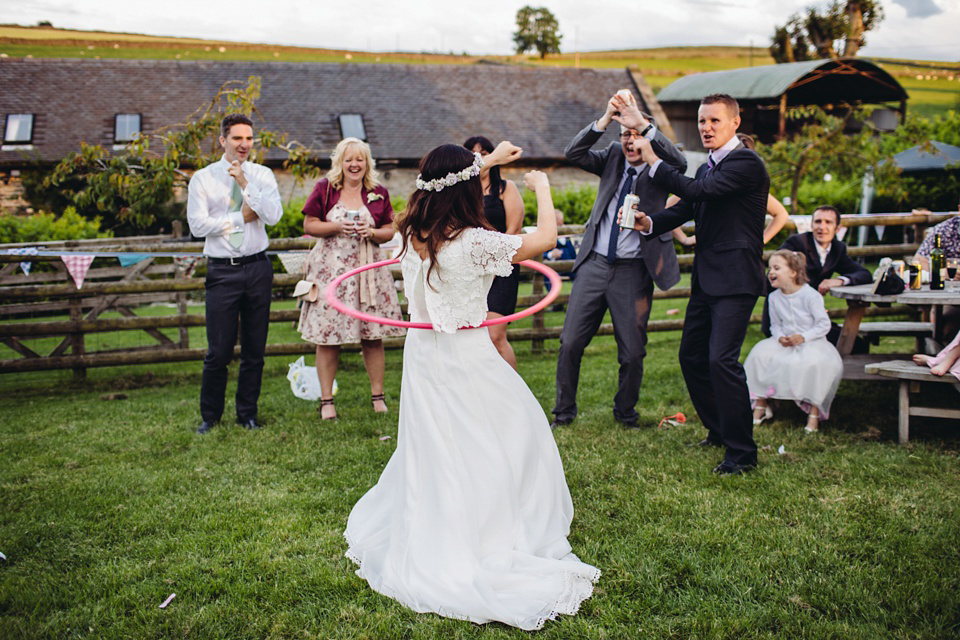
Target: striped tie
x=614 y=227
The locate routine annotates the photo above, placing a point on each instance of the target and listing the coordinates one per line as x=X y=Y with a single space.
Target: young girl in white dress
x=796 y=362
x=470 y=517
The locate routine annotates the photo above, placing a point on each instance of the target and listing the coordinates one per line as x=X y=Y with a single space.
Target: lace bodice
x=456 y=295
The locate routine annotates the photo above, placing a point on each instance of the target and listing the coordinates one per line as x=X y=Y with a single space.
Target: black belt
x=236 y=262
x=596 y=255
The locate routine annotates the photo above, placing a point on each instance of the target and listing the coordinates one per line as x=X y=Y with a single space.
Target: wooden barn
x=765 y=93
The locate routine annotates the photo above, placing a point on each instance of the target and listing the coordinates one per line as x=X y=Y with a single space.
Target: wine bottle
x=938 y=265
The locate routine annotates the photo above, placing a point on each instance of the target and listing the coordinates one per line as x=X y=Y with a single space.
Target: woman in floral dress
x=349 y=213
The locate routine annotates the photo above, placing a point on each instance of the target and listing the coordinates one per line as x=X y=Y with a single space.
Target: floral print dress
x=371 y=292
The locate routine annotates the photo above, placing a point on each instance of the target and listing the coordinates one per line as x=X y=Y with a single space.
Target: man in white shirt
x=229 y=203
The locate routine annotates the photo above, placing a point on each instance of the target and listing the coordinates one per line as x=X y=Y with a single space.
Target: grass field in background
x=660 y=66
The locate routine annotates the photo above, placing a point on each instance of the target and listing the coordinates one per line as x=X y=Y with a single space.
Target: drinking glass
x=952 y=264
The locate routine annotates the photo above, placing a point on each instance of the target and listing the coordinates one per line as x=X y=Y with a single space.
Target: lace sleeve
x=492 y=252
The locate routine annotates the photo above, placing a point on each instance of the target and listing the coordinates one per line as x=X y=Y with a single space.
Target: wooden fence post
x=76 y=339
x=536 y=344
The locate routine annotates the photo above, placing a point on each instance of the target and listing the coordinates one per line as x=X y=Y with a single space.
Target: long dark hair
x=497 y=184
x=437 y=217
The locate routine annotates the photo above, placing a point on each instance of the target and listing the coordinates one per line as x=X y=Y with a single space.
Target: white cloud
x=912 y=28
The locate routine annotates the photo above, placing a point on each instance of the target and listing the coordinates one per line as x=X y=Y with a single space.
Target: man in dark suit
x=727 y=200
x=615 y=269
x=825 y=255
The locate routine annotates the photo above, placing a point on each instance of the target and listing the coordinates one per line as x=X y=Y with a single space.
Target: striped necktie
x=614 y=227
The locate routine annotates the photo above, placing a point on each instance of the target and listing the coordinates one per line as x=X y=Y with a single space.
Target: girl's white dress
x=808 y=373
x=470 y=517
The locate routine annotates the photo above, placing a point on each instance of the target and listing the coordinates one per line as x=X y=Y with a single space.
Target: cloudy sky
x=925 y=29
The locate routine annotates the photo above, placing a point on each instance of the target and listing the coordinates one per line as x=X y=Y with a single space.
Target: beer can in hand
x=629 y=215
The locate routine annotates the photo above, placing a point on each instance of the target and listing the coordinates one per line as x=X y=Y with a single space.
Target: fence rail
x=125 y=290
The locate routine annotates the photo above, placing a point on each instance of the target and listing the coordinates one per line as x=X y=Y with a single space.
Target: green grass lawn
x=111 y=503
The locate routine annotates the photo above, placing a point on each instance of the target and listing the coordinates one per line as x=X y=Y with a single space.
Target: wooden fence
x=46 y=304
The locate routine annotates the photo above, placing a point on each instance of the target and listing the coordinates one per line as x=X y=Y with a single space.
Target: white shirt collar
x=721 y=153
x=226 y=163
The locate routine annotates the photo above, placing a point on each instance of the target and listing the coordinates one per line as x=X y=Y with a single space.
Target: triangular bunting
x=186 y=265
x=77 y=266
x=130 y=259
x=24 y=251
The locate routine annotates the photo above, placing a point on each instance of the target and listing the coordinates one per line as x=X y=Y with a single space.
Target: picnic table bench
x=911 y=376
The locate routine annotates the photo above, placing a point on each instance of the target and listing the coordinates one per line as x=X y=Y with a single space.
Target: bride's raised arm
x=544 y=237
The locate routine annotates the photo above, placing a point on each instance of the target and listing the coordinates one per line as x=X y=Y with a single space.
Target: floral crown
x=437 y=184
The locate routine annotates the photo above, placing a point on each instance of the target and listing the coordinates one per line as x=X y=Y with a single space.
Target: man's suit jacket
x=837 y=260
x=657 y=251
x=728 y=206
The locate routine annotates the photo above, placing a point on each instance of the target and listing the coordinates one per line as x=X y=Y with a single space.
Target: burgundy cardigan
x=324 y=197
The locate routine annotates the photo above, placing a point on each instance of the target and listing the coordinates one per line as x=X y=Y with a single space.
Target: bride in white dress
x=470 y=517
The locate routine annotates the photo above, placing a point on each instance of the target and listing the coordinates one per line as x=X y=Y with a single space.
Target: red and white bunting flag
x=77 y=267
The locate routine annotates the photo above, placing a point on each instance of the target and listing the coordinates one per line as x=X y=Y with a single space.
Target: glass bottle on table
x=938 y=265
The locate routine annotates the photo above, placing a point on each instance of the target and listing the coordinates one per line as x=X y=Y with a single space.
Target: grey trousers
x=626 y=289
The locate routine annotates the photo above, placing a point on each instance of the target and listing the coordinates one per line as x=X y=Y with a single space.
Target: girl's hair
x=335 y=175
x=796 y=261
x=437 y=217
x=497 y=184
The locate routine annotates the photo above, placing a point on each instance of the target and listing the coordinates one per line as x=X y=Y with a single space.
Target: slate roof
x=407 y=110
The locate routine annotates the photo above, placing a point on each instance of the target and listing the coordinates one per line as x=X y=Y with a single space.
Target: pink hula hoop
x=330 y=293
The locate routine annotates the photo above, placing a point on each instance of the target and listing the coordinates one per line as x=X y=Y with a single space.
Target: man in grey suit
x=615 y=269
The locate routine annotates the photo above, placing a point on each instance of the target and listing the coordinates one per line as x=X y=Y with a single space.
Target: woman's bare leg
x=374 y=361
x=328 y=358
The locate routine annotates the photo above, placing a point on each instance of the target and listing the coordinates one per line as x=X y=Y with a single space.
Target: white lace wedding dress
x=470 y=517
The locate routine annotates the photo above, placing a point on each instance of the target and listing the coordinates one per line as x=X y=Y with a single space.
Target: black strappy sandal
x=374 y=398
x=326 y=403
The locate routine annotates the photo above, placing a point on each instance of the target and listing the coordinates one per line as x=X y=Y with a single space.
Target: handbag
x=306 y=291
x=889 y=283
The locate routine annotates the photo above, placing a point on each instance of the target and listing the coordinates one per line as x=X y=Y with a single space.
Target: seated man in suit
x=825 y=256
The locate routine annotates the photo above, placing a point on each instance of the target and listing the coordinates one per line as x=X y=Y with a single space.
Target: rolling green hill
x=933 y=87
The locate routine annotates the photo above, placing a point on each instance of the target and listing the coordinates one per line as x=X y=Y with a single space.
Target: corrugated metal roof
x=932 y=157
x=758 y=83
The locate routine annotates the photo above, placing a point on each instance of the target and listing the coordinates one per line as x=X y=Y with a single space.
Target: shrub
x=46 y=227
x=291 y=222
x=575 y=202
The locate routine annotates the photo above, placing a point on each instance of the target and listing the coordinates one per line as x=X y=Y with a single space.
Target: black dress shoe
x=726 y=469
x=205 y=427
x=249 y=424
x=629 y=424
x=706 y=442
x=557 y=422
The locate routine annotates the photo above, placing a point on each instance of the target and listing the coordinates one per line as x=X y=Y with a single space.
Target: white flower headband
x=451 y=179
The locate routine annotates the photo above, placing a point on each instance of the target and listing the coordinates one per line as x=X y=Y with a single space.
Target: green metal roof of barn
x=830 y=80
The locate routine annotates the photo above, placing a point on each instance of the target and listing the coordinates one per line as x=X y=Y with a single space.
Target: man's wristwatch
x=646 y=130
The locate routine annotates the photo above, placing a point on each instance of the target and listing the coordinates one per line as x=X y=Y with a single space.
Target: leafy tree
x=834 y=31
x=134 y=190
x=537 y=29
x=825 y=145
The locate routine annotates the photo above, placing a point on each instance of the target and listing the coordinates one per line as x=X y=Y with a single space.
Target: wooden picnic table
x=928 y=331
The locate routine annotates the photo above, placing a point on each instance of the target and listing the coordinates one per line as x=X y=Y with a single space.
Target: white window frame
x=352 y=126
x=12 y=145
